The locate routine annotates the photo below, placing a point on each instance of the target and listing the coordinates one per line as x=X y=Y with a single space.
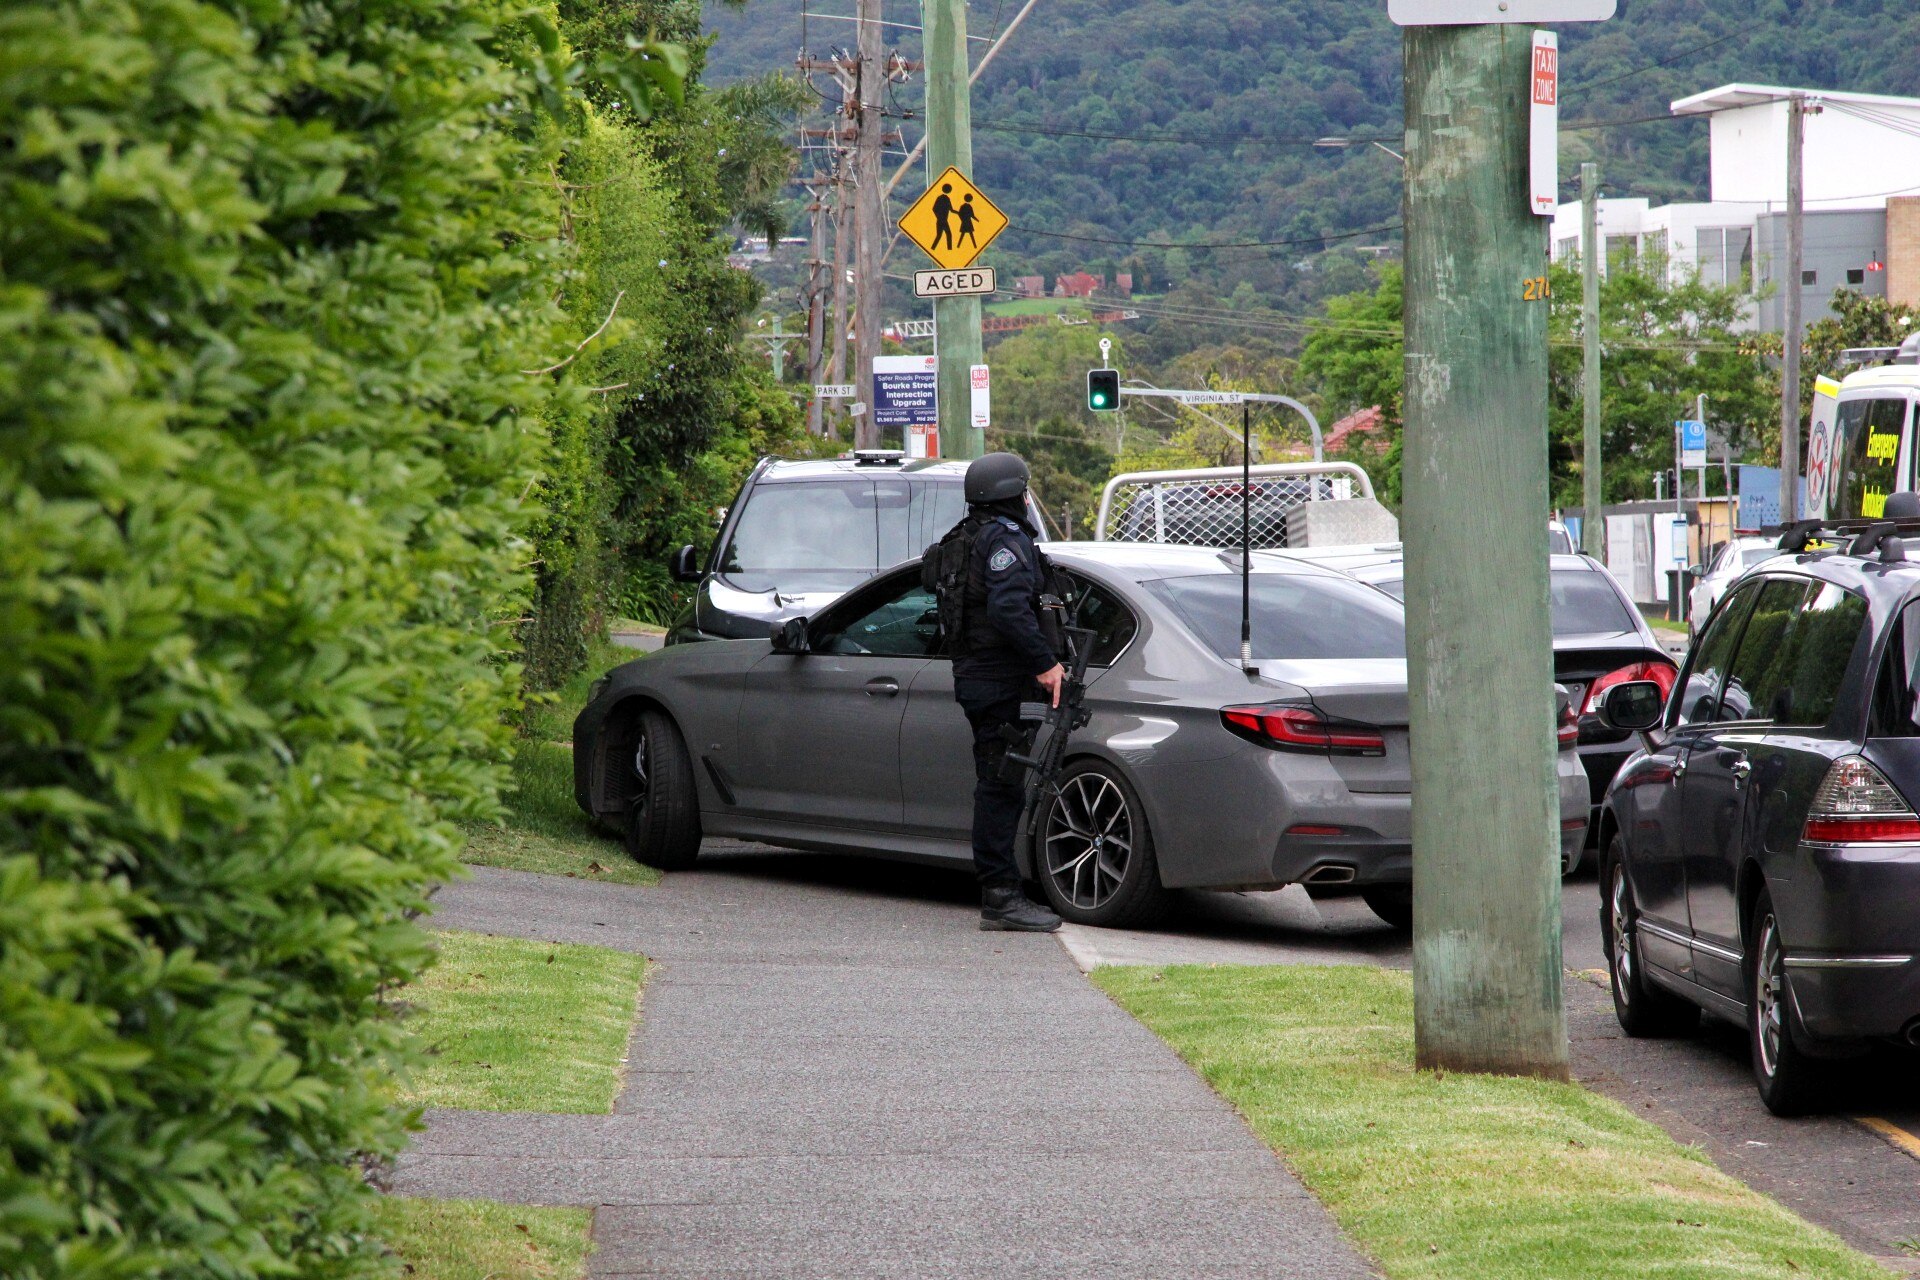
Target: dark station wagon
x=1762 y=851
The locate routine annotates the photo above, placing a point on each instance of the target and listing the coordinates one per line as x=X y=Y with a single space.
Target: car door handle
x=882 y=687
x=1679 y=770
x=1740 y=769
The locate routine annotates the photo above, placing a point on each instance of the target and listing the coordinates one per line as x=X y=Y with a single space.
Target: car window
x=1830 y=626
x=1896 y=691
x=1294 y=616
x=900 y=620
x=1755 y=555
x=1794 y=653
x=1100 y=611
x=915 y=514
x=1559 y=542
x=1869 y=444
x=1699 y=690
x=800 y=526
x=1585 y=602
x=1758 y=676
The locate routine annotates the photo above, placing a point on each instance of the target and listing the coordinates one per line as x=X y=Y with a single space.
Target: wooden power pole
x=956 y=321
x=869 y=216
x=815 y=298
x=1791 y=333
x=1593 y=526
x=1486 y=826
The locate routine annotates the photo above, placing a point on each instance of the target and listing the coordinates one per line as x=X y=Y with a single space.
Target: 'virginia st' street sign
x=1453 y=13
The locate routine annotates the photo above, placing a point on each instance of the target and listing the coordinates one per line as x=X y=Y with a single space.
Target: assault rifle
x=1044 y=761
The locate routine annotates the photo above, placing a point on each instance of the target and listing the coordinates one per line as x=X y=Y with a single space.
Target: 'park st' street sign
x=1451 y=13
x=953 y=221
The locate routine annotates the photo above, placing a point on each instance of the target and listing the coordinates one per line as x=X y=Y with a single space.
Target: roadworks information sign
x=953 y=221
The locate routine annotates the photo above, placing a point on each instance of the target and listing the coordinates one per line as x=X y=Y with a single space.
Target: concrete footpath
x=836 y=1074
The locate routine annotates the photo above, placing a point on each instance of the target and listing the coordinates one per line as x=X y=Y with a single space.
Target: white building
x=1862 y=175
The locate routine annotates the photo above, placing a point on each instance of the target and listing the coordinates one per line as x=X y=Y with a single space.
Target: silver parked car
x=843 y=735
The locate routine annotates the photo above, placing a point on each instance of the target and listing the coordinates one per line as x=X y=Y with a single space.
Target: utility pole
x=840 y=230
x=869 y=215
x=1791 y=337
x=1593 y=528
x=956 y=321
x=815 y=295
x=1486 y=869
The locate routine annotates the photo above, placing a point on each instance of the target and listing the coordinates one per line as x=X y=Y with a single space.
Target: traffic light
x=1103 y=390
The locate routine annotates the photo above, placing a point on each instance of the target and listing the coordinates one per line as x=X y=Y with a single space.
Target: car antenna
x=1246 y=542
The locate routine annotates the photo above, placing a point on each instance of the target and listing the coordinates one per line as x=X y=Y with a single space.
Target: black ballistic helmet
x=996 y=477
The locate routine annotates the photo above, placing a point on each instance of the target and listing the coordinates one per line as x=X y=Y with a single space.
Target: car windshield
x=1560 y=542
x=1294 y=616
x=799 y=529
x=1755 y=555
x=1583 y=602
x=799 y=535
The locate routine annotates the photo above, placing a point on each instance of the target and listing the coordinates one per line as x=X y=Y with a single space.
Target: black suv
x=801 y=533
x=1762 y=851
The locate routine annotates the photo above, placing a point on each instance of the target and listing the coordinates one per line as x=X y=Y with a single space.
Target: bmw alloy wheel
x=1088 y=840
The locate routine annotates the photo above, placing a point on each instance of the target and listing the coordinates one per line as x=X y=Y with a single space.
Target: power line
x=1666 y=62
x=1234 y=244
x=1197 y=139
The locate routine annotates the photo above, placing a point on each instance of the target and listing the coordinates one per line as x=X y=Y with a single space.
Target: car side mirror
x=1635 y=705
x=791 y=637
x=684 y=565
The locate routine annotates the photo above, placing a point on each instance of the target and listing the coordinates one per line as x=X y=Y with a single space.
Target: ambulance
x=1860 y=442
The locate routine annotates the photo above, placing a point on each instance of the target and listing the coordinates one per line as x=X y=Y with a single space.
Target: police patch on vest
x=1002 y=560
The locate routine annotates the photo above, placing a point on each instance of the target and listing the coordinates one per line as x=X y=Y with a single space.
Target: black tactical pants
x=999 y=793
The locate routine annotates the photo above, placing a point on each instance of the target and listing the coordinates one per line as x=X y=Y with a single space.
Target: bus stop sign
x=1453 y=13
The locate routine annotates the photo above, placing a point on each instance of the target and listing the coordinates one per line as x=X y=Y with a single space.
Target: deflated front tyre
x=1095 y=854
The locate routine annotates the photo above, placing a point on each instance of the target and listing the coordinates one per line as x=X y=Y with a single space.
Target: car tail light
x=1857 y=805
x=1568 y=732
x=1293 y=727
x=1661 y=673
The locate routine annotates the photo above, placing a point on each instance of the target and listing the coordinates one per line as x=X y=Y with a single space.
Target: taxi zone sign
x=1454 y=13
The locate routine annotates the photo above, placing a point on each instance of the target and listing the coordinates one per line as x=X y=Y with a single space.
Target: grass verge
x=1442 y=1175
x=481 y=1240
x=543 y=829
x=516 y=1025
x=1667 y=624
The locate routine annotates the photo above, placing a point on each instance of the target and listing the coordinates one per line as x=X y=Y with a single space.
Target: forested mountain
x=1185 y=120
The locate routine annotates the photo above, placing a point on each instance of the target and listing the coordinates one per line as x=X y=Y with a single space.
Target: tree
x=1353 y=360
x=1661 y=344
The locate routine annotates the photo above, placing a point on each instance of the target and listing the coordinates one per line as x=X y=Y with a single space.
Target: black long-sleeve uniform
x=994 y=673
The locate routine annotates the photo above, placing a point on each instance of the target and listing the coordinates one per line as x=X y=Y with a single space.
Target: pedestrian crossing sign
x=953 y=221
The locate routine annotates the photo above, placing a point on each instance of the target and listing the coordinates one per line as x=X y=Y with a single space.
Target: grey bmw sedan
x=843 y=735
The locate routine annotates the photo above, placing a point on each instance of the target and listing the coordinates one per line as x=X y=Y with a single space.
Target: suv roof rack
x=1861 y=538
x=879 y=457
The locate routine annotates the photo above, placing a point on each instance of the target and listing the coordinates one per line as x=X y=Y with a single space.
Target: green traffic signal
x=1103 y=390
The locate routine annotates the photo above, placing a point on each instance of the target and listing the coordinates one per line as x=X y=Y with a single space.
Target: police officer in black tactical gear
x=1001 y=659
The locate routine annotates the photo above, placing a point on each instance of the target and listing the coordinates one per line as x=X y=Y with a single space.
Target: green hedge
x=267 y=280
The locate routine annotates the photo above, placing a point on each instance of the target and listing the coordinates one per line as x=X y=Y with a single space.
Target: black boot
x=1004 y=906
